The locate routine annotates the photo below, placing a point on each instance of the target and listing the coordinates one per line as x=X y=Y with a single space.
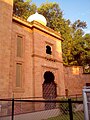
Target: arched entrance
x=49 y=89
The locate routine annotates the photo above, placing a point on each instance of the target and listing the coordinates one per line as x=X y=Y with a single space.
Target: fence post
x=12 y=109
x=70 y=109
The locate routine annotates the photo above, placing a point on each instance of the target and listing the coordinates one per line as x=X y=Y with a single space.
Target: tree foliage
x=86 y=39
x=73 y=48
x=75 y=45
x=24 y=9
x=53 y=14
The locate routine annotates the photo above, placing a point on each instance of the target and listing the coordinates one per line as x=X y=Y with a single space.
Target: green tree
x=67 y=44
x=24 y=9
x=78 y=49
x=53 y=14
x=73 y=48
x=86 y=38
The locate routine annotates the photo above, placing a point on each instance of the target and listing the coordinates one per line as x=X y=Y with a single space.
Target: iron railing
x=26 y=109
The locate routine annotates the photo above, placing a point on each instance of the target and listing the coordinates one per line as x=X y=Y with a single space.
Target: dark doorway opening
x=49 y=89
x=48 y=77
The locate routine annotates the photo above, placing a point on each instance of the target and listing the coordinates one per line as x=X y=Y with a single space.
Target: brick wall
x=36 y=62
x=5 y=45
x=75 y=79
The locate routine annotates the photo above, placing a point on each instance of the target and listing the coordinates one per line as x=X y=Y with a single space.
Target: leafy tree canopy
x=24 y=9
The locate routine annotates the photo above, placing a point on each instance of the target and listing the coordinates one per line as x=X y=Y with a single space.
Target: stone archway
x=49 y=89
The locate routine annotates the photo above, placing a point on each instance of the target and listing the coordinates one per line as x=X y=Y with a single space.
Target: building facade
x=31 y=62
x=30 y=57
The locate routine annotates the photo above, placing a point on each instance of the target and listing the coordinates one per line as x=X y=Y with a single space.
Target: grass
x=76 y=116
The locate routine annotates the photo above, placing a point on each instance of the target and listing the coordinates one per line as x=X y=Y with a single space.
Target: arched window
x=48 y=77
x=48 y=49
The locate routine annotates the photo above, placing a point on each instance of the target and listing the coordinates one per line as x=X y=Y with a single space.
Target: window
x=18 y=74
x=19 y=46
x=48 y=49
x=18 y=84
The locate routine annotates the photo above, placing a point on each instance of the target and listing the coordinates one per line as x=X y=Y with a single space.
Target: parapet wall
x=75 y=79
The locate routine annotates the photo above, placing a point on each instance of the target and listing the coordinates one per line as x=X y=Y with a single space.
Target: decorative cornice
x=46 y=29
x=38 y=26
x=47 y=58
x=21 y=21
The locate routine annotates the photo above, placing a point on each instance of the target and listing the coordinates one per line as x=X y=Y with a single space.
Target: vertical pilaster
x=6 y=9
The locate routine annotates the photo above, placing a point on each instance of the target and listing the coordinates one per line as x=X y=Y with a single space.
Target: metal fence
x=26 y=109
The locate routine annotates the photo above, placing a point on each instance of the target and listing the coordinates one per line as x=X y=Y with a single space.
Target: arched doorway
x=49 y=89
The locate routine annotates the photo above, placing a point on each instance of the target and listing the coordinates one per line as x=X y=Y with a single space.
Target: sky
x=73 y=10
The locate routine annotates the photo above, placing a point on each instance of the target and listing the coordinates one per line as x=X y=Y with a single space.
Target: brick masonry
x=75 y=79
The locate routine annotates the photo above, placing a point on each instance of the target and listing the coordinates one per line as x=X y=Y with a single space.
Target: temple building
x=30 y=56
x=31 y=62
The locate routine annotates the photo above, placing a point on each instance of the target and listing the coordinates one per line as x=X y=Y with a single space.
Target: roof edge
x=37 y=25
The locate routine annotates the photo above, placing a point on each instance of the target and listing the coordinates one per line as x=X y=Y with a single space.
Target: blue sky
x=73 y=10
